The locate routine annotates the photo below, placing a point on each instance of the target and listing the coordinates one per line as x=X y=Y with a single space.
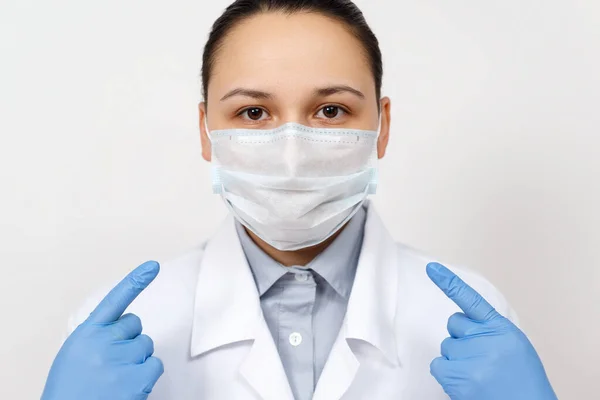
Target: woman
x=303 y=294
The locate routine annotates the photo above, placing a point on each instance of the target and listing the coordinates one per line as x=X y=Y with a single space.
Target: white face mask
x=294 y=186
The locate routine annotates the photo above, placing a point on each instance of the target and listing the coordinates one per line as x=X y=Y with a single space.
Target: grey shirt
x=304 y=306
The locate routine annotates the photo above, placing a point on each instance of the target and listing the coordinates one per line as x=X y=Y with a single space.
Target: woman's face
x=304 y=68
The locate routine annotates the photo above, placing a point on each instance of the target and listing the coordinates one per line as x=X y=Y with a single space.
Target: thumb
x=472 y=303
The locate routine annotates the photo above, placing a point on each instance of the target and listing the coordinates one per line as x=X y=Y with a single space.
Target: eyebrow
x=328 y=91
x=255 y=94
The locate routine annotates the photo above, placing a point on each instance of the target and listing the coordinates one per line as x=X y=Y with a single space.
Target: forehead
x=290 y=52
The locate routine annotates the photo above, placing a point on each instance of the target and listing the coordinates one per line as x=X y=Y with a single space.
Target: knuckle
x=445 y=346
x=158 y=365
x=132 y=321
x=455 y=286
x=458 y=315
x=135 y=281
x=135 y=319
x=127 y=326
x=435 y=367
x=146 y=338
x=136 y=322
x=455 y=320
x=148 y=342
x=493 y=315
x=477 y=302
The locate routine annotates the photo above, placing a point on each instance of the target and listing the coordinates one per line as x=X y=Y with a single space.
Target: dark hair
x=342 y=10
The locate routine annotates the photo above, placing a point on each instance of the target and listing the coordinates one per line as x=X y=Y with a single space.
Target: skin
x=307 y=68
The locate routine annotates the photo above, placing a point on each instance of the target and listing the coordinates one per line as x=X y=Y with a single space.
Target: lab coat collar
x=227 y=305
x=371 y=308
x=370 y=314
x=227 y=310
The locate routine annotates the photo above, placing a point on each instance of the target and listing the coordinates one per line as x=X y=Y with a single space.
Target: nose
x=293 y=116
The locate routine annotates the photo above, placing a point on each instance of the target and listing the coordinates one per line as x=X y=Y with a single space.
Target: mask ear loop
x=374 y=170
x=206 y=128
x=215 y=176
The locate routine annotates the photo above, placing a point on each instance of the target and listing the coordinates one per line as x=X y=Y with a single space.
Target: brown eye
x=254 y=113
x=331 y=111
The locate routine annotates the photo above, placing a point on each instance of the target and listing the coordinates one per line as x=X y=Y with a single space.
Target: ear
x=384 y=133
x=204 y=140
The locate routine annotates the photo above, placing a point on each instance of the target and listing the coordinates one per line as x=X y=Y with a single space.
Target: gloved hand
x=107 y=357
x=487 y=356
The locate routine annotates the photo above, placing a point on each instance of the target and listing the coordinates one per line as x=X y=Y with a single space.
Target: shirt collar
x=336 y=264
x=227 y=305
x=265 y=270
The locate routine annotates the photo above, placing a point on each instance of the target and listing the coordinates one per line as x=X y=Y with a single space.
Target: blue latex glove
x=107 y=357
x=487 y=356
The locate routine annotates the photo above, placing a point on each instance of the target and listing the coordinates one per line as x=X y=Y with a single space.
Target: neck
x=294 y=257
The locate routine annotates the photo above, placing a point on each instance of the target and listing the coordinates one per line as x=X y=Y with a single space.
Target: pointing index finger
x=472 y=303
x=121 y=296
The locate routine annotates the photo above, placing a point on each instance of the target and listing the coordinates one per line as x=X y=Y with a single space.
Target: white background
x=494 y=159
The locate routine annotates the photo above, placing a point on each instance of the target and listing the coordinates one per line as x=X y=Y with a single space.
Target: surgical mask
x=294 y=186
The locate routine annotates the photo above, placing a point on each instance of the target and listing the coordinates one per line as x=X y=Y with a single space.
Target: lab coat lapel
x=372 y=307
x=339 y=371
x=227 y=310
x=263 y=370
x=371 y=311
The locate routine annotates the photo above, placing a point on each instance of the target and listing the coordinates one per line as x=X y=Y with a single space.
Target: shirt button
x=302 y=277
x=295 y=339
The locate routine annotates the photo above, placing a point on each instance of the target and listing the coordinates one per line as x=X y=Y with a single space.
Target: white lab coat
x=203 y=313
